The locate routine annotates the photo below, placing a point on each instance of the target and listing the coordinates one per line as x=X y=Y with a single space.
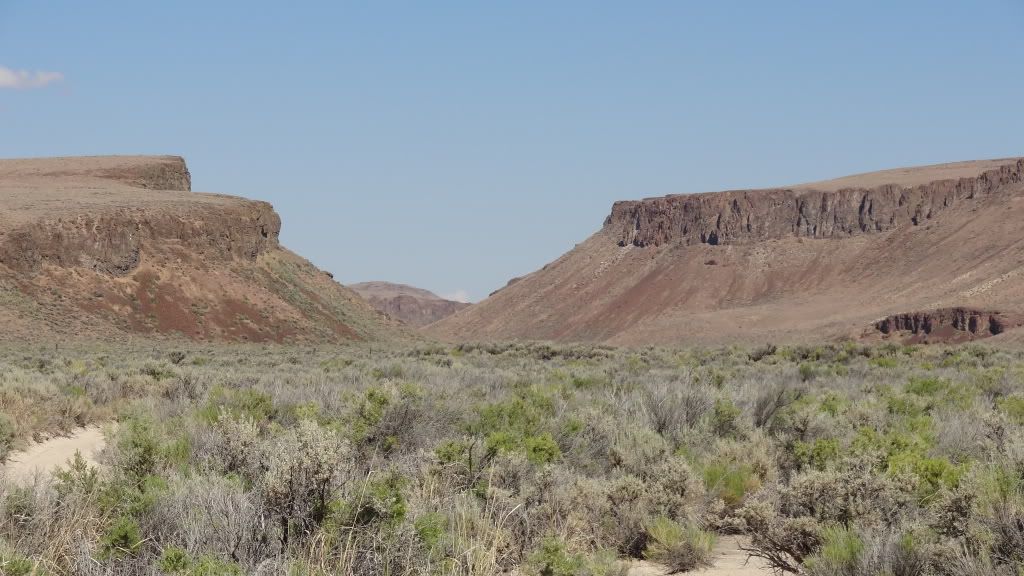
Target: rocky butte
x=118 y=246
x=825 y=260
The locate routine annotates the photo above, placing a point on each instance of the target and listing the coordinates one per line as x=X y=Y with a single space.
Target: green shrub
x=122 y=538
x=832 y=404
x=77 y=478
x=177 y=562
x=518 y=425
x=174 y=560
x=817 y=454
x=725 y=418
x=16 y=565
x=370 y=412
x=884 y=361
x=928 y=386
x=807 y=372
x=335 y=364
x=390 y=372
x=139 y=449
x=551 y=559
x=378 y=501
x=6 y=436
x=730 y=481
x=679 y=548
x=541 y=449
x=934 y=473
x=430 y=528
x=842 y=546
x=840 y=552
x=240 y=403
x=157 y=371
x=1013 y=407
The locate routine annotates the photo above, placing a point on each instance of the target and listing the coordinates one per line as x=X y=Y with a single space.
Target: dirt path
x=729 y=560
x=45 y=456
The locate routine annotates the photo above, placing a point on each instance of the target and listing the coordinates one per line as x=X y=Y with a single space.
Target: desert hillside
x=916 y=254
x=117 y=246
x=413 y=306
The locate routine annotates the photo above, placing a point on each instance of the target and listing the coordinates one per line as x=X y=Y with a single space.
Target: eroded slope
x=115 y=246
x=801 y=263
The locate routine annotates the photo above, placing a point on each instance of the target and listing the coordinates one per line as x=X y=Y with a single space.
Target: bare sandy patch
x=729 y=560
x=43 y=457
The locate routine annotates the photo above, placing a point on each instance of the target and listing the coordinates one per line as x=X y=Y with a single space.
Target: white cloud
x=23 y=79
x=459 y=295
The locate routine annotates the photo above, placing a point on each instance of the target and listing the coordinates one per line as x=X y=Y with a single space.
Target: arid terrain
x=116 y=247
x=413 y=306
x=935 y=246
x=182 y=396
x=511 y=459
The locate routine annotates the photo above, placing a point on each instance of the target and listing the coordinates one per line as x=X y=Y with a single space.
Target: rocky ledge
x=746 y=216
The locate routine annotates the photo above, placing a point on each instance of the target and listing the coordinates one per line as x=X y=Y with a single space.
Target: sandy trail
x=46 y=456
x=729 y=560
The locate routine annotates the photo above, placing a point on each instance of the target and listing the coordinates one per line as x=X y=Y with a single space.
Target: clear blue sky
x=453 y=145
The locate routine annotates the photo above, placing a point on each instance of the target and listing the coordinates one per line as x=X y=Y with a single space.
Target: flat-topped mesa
x=106 y=213
x=149 y=172
x=744 y=216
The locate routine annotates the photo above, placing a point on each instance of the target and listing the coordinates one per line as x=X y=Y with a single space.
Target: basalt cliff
x=117 y=247
x=856 y=257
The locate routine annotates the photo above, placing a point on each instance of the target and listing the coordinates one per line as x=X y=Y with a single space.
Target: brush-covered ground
x=523 y=459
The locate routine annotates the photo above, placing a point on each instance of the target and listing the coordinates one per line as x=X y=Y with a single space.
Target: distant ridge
x=413 y=306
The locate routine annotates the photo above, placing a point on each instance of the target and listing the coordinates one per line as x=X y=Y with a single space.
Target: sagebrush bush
x=527 y=458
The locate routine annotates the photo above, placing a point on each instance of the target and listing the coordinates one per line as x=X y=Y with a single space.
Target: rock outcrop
x=111 y=241
x=120 y=245
x=412 y=306
x=947 y=325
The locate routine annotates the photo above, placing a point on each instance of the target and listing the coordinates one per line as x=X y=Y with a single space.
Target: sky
x=455 y=145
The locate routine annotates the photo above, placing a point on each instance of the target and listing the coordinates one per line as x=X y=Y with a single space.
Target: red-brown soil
x=109 y=247
x=803 y=263
x=412 y=306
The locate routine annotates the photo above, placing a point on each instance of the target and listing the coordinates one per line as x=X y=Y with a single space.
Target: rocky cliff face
x=118 y=245
x=746 y=216
x=947 y=325
x=111 y=241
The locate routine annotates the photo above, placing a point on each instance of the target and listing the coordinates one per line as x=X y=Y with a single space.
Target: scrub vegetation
x=527 y=458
